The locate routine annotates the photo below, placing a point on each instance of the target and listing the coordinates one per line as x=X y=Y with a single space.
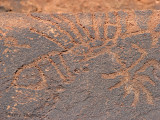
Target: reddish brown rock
x=75 y=6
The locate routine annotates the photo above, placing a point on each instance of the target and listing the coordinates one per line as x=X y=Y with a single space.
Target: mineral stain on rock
x=80 y=66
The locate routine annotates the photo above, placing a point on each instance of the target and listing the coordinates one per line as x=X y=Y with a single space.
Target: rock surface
x=101 y=66
x=76 y=6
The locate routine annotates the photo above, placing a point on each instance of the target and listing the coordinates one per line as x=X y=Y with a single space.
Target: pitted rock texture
x=101 y=66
